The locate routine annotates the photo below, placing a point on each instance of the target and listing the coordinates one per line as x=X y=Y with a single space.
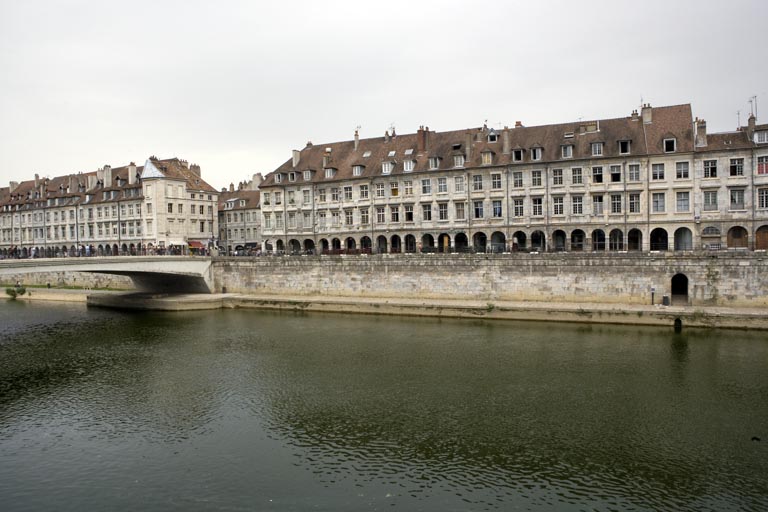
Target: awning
x=194 y=244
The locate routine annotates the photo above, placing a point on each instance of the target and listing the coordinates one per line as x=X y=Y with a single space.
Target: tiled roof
x=251 y=198
x=726 y=141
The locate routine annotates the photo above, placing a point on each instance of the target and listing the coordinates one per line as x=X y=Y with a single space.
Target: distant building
x=651 y=181
x=240 y=217
x=163 y=205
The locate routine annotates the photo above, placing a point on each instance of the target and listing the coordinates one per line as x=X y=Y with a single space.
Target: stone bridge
x=157 y=274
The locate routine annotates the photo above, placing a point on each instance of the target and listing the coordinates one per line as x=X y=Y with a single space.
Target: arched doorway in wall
x=124 y=250
x=335 y=244
x=461 y=242
x=325 y=246
x=519 y=240
x=294 y=245
x=761 y=238
x=538 y=241
x=598 y=240
x=427 y=243
x=498 y=242
x=381 y=244
x=480 y=241
x=410 y=243
x=350 y=244
x=279 y=246
x=659 y=240
x=443 y=242
x=738 y=238
x=683 y=239
x=396 y=245
x=558 y=240
x=616 y=240
x=309 y=246
x=366 y=244
x=710 y=238
x=635 y=240
x=577 y=240
x=680 y=289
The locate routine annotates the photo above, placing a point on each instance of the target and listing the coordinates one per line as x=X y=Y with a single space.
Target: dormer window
x=567 y=151
x=386 y=167
x=242 y=202
x=357 y=170
x=517 y=155
x=307 y=175
x=291 y=176
x=487 y=157
x=408 y=165
x=329 y=172
x=278 y=178
x=434 y=162
x=493 y=137
x=761 y=137
x=623 y=147
x=458 y=160
x=597 y=149
x=670 y=145
x=536 y=154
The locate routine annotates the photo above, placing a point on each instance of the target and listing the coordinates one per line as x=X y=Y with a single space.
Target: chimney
x=421 y=140
x=635 y=115
x=13 y=186
x=518 y=124
x=297 y=156
x=505 y=145
x=195 y=169
x=131 y=173
x=357 y=139
x=107 y=176
x=386 y=136
x=751 y=125
x=37 y=180
x=701 y=133
x=468 y=152
x=231 y=187
x=92 y=181
x=71 y=187
x=256 y=181
x=647 y=113
x=394 y=135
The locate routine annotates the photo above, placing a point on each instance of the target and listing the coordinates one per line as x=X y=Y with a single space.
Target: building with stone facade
x=240 y=217
x=651 y=181
x=160 y=206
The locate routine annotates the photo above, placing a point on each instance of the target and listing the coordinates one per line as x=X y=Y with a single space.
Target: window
x=477 y=182
x=517 y=207
x=557 y=176
x=170 y=207
x=458 y=161
x=364 y=218
x=408 y=165
x=304 y=197
x=408 y=186
x=537 y=205
x=616 y=203
x=442 y=211
x=737 y=198
x=658 y=199
x=279 y=177
x=517 y=179
x=408 y=212
x=348 y=193
x=496 y=181
x=320 y=192
x=634 y=203
x=386 y=167
x=308 y=175
x=615 y=173
x=567 y=151
x=366 y=154
x=597 y=149
x=624 y=147
x=761 y=137
x=657 y=171
x=762 y=164
x=683 y=201
x=201 y=211
x=634 y=172
x=487 y=158
x=517 y=155
x=442 y=185
x=597 y=175
x=329 y=173
x=394 y=188
x=497 y=208
x=357 y=170
x=710 y=200
x=391 y=153
x=762 y=198
x=536 y=154
x=478 y=209
x=380 y=215
x=321 y=216
x=379 y=190
x=682 y=170
x=394 y=213
x=426 y=212
x=737 y=167
x=363 y=191
x=577 y=205
x=458 y=184
x=670 y=145
x=426 y=186
x=291 y=176
x=335 y=194
x=710 y=168
x=576 y=178
x=597 y=204
x=557 y=205
x=492 y=137
x=536 y=178
x=460 y=211
x=434 y=162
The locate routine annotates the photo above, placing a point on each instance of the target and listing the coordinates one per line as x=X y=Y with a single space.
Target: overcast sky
x=236 y=85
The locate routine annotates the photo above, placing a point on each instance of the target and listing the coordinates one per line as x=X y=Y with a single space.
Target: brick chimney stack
x=505 y=144
x=701 y=133
x=422 y=139
x=131 y=173
x=751 y=125
x=386 y=136
x=231 y=187
x=518 y=124
x=357 y=139
x=296 y=157
x=647 y=113
x=468 y=141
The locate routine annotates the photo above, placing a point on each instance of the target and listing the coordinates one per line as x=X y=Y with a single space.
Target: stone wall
x=70 y=279
x=733 y=279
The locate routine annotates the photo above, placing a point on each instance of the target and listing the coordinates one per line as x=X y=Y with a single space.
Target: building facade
x=240 y=218
x=651 y=181
x=162 y=206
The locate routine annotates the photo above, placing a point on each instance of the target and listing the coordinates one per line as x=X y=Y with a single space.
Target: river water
x=249 y=410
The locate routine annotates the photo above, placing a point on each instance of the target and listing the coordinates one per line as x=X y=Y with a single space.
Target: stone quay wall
x=715 y=279
x=86 y=280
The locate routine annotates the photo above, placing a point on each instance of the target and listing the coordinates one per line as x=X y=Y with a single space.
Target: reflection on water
x=251 y=410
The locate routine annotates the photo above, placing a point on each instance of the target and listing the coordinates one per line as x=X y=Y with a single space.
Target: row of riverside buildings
x=652 y=181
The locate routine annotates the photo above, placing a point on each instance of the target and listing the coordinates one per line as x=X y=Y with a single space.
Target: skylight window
x=391 y=154
x=409 y=151
x=366 y=154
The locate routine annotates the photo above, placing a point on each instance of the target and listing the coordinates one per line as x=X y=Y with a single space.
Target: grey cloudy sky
x=235 y=85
